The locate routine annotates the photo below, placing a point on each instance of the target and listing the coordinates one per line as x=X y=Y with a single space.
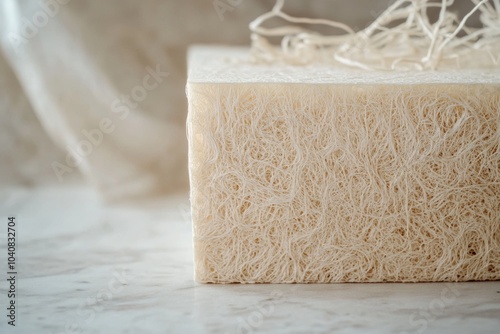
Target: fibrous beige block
x=316 y=174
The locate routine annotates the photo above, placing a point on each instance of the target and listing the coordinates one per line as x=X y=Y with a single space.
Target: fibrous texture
x=345 y=183
x=401 y=38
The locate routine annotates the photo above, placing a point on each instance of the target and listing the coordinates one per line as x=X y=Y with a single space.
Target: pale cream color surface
x=344 y=178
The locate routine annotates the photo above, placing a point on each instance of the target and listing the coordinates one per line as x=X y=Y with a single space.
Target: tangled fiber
x=329 y=183
x=402 y=38
x=318 y=175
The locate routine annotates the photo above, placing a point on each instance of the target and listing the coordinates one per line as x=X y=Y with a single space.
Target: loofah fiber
x=403 y=37
x=341 y=181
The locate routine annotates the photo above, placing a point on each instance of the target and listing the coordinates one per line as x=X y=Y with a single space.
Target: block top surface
x=222 y=64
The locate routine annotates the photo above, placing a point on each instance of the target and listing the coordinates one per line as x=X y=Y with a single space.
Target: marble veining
x=89 y=268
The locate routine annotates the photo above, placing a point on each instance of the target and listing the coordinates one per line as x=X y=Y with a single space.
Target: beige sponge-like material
x=367 y=177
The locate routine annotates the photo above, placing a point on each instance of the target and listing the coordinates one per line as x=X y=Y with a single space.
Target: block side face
x=198 y=158
x=329 y=183
x=210 y=64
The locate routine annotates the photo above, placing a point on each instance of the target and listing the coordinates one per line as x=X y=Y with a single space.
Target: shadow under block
x=315 y=174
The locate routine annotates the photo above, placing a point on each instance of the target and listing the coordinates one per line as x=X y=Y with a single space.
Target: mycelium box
x=315 y=174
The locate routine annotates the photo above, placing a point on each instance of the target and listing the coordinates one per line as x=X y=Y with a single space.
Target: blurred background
x=93 y=91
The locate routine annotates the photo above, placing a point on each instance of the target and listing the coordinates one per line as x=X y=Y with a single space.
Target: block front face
x=345 y=183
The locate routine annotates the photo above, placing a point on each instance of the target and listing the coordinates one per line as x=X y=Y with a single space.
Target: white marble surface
x=88 y=268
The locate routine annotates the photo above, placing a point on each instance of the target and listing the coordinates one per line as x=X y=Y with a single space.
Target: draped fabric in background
x=96 y=88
